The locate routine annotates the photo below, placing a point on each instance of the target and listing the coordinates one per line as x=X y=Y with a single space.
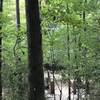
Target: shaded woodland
x=49 y=50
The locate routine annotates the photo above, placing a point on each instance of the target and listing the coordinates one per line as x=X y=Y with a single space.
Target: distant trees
x=36 y=80
x=1 y=9
x=82 y=17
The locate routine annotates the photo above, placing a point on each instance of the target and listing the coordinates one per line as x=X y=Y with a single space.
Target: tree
x=36 y=80
x=1 y=9
x=17 y=15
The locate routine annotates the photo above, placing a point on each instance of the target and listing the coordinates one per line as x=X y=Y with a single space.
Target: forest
x=49 y=49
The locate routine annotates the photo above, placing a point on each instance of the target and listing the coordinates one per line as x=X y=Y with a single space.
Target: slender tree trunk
x=69 y=82
x=54 y=85
x=76 y=63
x=85 y=52
x=17 y=15
x=17 y=28
x=68 y=38
x=20 y=90
x=1 y=10
x=36 y=78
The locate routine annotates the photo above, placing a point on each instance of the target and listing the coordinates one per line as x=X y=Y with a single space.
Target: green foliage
x=59 y=19
x=69 y=13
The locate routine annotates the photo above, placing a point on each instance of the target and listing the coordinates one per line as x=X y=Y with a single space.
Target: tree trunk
x=17 y=15
x=85 y=52
x=1 y=9
x=68 y=49
x=36 y=78
x=20 y=89
x=69 y=82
